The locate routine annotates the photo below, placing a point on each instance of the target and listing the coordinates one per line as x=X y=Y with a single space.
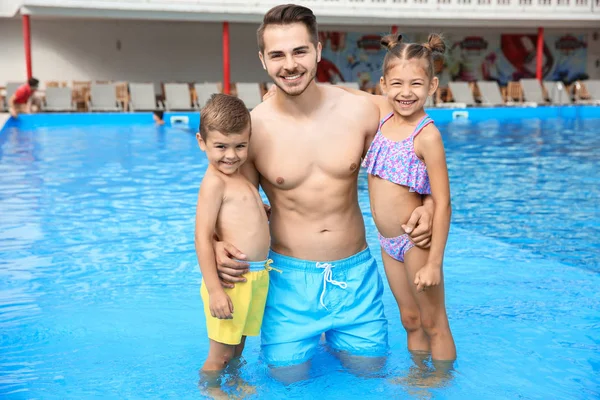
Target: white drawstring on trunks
x=327 y=277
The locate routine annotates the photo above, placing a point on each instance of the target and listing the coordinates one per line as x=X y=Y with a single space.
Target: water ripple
x=99 y=281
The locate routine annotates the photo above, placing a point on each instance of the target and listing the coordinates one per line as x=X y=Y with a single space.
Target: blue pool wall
x=190 y=120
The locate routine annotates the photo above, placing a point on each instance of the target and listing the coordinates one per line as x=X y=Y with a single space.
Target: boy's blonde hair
x=225 y=114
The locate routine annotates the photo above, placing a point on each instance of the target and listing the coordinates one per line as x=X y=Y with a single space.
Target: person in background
x=20 y=101
x=158 y=117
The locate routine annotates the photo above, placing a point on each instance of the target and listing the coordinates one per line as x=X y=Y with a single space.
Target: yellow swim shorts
x=248 y=298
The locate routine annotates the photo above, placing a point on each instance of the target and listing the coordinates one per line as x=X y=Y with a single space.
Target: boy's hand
x=428 y=276
x=220 y=305
x=419 y=226
x=229 y=269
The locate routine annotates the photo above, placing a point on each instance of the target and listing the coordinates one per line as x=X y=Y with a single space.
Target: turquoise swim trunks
x=341 y=298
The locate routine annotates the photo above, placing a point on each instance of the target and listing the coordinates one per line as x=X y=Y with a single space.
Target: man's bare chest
x=292 y=157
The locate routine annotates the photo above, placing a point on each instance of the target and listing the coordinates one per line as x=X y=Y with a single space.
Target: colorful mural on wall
x=357 y=57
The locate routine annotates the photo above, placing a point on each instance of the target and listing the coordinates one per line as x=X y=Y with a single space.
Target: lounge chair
x=461 y=93
x=592 y=87
x=557 y=93
x=532 y=91
x=143 y=97
x=448 y=104
x=249 y=93
x=59 y=99
x=204 y=91
x=103 y=97
x=490 y=93
x=177 y=97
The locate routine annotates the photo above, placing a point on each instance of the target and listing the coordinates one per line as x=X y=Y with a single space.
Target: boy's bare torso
x=242 y=219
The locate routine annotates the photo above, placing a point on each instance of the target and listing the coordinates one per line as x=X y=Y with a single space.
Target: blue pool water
x=99 y=285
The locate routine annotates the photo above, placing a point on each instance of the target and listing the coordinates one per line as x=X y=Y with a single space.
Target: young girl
x=406 y=161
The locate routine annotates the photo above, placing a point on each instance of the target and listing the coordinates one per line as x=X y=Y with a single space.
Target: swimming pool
x=99 y=285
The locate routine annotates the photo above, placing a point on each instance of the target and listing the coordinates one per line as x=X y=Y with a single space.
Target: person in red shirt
x=20 y=101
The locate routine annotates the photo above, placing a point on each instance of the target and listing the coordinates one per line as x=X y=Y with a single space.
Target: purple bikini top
x=397 y=161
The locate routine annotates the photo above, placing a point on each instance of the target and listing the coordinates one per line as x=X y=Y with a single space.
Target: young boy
x=230 y=207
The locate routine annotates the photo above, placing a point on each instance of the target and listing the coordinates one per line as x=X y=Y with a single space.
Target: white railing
x=370 y=10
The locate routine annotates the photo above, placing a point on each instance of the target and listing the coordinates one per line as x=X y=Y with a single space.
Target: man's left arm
x=371 y=120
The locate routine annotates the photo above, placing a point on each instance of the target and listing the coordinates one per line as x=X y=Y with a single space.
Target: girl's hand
x=270 y=93
x=428 y=276
x=220 y=305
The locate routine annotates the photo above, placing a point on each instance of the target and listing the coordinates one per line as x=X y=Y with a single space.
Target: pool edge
x=191 y=119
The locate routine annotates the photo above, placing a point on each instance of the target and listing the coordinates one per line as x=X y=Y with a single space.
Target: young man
x=305 y=152
x=20 y=101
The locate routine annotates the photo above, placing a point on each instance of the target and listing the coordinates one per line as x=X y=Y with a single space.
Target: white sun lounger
x=557 y=92
x=204 y=91
x=249 y=93
x=532 y=91
x=103 y=97
x=59 y=99
x=490 y=93
x=461 y=93
x=142 y=97
x=177 y=97
x=593 y=89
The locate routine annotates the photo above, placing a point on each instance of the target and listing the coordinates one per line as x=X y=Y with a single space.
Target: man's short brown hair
x=287 y=14
x=223 y=113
